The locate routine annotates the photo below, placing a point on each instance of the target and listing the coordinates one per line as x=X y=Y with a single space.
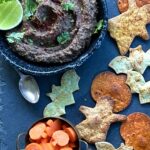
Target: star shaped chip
x=98 y=120
x=125 y=27
x=138 y=61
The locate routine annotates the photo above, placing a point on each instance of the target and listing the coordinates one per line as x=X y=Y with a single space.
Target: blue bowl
x=36 y=69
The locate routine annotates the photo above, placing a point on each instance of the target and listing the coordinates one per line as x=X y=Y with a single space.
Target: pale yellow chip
x=135 y=81
x=144 y=94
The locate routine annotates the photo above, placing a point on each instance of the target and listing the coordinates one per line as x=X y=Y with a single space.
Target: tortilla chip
x=70 y=79
x=121 y=64
x=104 y=146
x=110 y=84
x=136 y=131
x=62 y=96
x=144 y=94
x=138 y=61
x=135 y=81
x=130 y=24
x=98 y=120
x=108 y=146
x=54 y=109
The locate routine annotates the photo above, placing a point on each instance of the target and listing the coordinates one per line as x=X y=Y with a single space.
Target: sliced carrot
x=72 y=134
x=33 y=146
x=49 y=122
x=60 y=137
x=36 y=132
x=72 y=145
x=64 y=126
x=44 y=135
x=46 y=140
x=56 y=125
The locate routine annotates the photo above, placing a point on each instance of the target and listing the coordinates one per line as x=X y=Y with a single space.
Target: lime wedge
x=11 y=14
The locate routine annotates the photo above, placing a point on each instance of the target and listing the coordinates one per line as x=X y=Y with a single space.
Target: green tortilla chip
x=144 y=94
x=135 y=81
x=62 y=95
x=121 y=64
x=54 y=109
x=70 y=80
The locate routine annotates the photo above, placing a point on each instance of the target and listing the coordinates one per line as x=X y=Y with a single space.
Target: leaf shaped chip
x=135 y=80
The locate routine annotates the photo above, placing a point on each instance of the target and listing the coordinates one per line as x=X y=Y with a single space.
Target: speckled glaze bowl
x=36 y=69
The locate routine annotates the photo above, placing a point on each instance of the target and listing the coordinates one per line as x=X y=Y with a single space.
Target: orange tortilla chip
x=136 y=131
x=110 y=84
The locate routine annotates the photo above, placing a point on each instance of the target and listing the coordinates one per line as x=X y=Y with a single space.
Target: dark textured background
x=18 y=115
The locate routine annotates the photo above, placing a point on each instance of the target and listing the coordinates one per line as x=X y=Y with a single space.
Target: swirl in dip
x=56 y=32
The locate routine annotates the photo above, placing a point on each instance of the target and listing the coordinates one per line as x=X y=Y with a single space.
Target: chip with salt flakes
x=121 y=64
x=144 y=94
x=62 y=96
x=135 y=81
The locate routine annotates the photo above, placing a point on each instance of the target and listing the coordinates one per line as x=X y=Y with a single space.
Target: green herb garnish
x=63 y=38
x=15 y=37
x=68 y=6
x=3 y=1
x=99 y=26
x=30 y=8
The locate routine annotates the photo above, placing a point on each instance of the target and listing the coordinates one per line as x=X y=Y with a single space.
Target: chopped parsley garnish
x=68 y=6
x=15 y=37
x=30 y=8
x=63 y=38
x=99 y=26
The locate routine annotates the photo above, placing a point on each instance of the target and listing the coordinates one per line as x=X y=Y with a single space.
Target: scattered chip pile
x=62 y=96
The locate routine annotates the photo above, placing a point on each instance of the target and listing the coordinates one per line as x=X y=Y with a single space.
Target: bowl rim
x=27 y=68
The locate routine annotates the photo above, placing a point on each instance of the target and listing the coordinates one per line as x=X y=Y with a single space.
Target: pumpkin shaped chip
x=110 y=84
x=136 y=131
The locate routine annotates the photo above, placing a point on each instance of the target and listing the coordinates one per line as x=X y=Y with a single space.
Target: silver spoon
x=29 y=88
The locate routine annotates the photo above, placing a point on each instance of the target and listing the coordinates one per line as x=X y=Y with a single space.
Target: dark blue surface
x=18 y=115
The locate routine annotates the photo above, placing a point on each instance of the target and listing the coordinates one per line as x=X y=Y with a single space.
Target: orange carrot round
x=49 y=122
x=60 y=137
x=72 y=134
x=66 y=148
x=33 y=146
x=36 y=132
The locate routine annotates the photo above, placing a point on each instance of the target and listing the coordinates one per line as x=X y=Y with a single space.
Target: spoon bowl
x=29 y=88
